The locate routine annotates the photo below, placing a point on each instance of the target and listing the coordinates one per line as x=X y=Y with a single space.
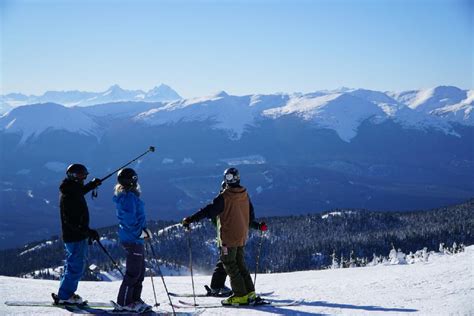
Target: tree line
x=292 y=243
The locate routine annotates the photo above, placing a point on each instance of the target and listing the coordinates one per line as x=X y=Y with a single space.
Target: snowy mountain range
x=297 y=152
x=82 y=98
x=342 y=112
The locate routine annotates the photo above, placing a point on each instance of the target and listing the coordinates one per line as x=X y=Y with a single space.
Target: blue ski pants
x=76 y=257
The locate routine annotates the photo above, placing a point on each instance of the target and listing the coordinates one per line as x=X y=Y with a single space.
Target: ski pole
x=151 y=277
x=151 y=149
x=162 y=278
x=191 y=264
x=110 y=257
x=258 y=258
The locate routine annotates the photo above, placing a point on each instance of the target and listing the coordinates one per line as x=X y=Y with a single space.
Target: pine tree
x=335 y=263
x=352 y=261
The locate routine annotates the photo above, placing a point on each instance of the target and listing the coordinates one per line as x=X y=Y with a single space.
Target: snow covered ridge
x=35 y=248
x=342 y=111
x=32 y=120
x=82 y=98
x=337 y=213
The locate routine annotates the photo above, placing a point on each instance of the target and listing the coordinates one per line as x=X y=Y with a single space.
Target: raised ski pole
x=162 y=278
x=150 y=149
x=151 y=277
x=258 y=258
x=191 y=263
x=110 y=257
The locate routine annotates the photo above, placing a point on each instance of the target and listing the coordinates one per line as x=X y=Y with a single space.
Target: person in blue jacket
x=132 y=232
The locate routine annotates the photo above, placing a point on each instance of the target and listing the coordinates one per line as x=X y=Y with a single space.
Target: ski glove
x=96 y=182
x=186 y=222
x=93 y=234
x=146 y=233
x=262 y=226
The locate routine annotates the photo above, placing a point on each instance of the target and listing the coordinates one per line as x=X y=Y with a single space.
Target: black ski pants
x=218 y=276
x=233 y=259
x=131 y=287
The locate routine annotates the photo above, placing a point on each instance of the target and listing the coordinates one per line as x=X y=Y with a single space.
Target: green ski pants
x=233 y=259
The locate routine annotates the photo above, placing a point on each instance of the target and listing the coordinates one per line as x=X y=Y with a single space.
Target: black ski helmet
x=232 y=176
x=76 y=172
x=127 y=177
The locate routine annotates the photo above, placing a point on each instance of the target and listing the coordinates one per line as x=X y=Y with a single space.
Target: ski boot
x=75 y=299
x=255 y=299
x=134 y=307
x=144 y=306
x=219 y=292
x=236 y=300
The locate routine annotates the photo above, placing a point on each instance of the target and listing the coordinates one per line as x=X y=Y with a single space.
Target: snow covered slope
x=230 y=113
x=32 y=120
x=340 y=112
x=450 y=103
x=461 y=112
x=441 y=286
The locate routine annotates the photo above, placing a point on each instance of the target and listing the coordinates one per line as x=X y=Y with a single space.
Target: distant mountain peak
x=163 y=92
x=115 y=88
x=158 y=89
x=337 y=90
x=446 y=89
x=343 y=89
x=221 y=94
x=427 y=100
x=163 y=86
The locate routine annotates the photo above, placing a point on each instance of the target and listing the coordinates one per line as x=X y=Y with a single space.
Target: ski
x=263 y=303
x=97 y=308
x=98 y=311
x=51 y=304
x=207 y=295
x=71 y=308
x=84 y=310
x=117 y=310
x=147 y=312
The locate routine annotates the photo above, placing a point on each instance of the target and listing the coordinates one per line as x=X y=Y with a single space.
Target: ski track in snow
x=441 y=286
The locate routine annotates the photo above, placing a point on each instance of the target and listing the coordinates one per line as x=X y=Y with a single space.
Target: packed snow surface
x=440 y=286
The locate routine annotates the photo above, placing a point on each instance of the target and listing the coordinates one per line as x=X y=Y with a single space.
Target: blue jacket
x=131 y=216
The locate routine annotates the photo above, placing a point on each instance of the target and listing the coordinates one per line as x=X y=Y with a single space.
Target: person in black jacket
x=75 y=230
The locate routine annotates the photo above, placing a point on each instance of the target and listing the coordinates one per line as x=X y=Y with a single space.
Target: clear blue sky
x=242 y=47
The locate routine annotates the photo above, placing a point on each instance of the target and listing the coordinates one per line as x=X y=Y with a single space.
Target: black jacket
x=217 y=206
x=74 y=211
